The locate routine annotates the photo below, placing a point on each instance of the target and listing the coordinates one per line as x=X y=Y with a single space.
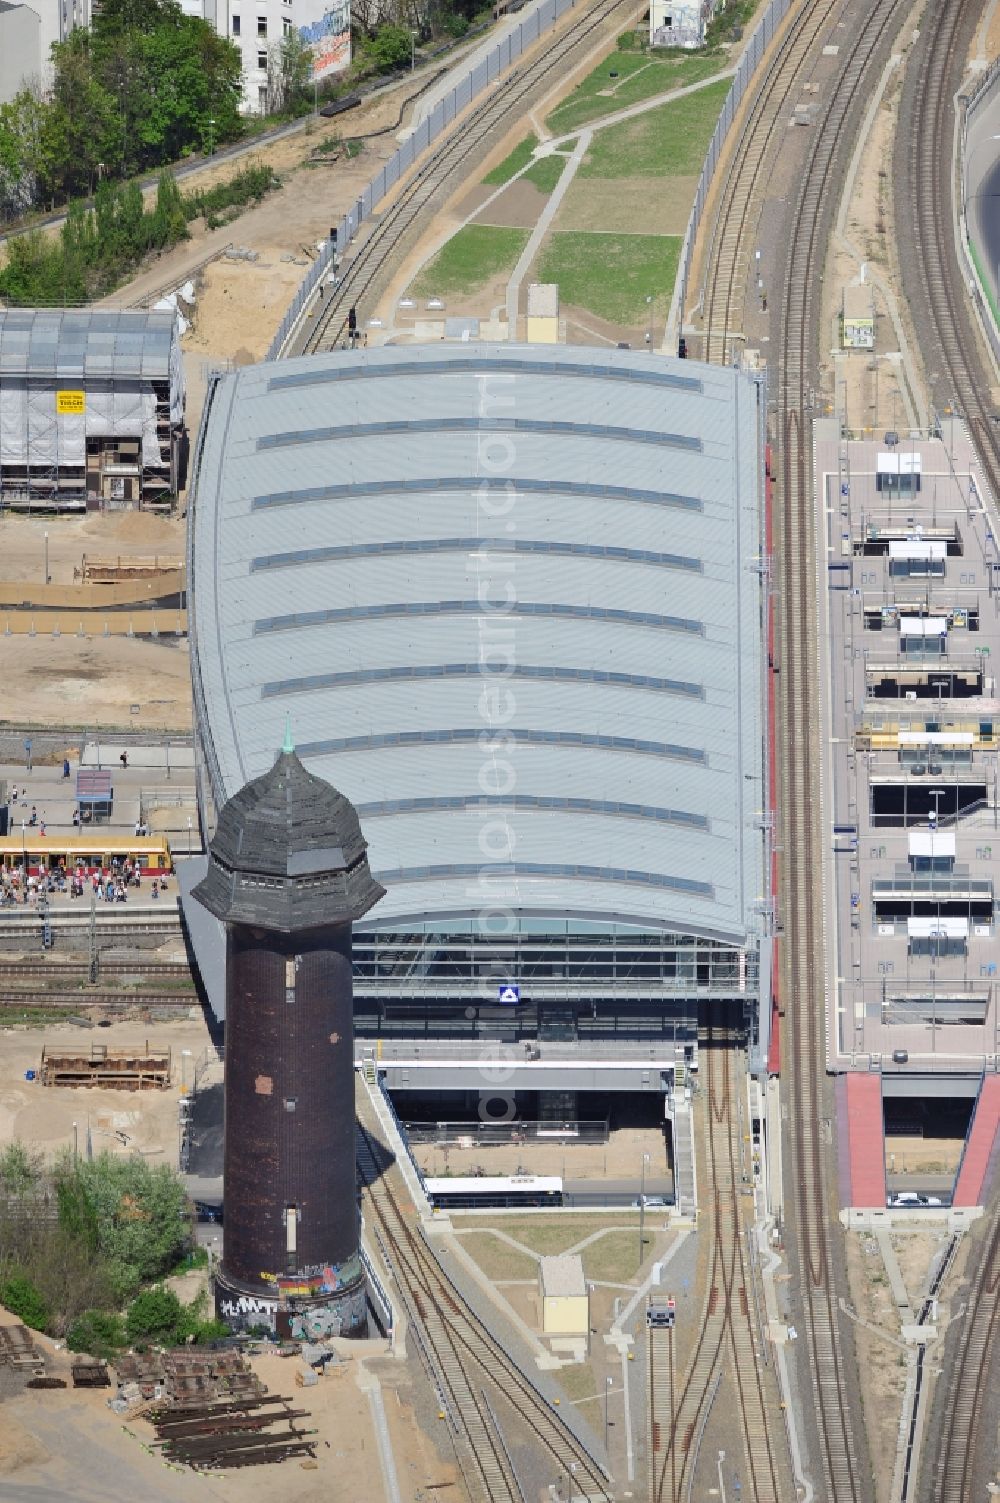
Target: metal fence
x=441 y=116
x=755 y=49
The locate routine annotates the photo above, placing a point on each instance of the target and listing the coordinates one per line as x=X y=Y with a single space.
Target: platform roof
x=510 y=597
x=76 y=343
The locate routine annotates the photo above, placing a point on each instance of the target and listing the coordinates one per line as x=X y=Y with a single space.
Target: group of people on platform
x=109 y=884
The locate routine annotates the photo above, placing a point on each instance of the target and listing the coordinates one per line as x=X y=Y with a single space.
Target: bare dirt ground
x=923 y=1155
x=44 y=1115
x=627 y=205
x=68 y=681
x=518 y=206
x=60 y=1444
x=879 y=1357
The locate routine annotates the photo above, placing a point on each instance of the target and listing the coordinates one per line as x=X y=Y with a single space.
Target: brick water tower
x=288 y=875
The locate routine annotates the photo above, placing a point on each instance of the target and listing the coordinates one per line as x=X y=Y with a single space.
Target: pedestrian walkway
x=982 y=1147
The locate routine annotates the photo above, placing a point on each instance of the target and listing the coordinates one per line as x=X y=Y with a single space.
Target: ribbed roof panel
x=378 y=618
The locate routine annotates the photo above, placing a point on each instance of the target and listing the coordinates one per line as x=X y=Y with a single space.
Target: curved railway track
x=931 y=171
x=927 y=192
x=677 y=1416
x=431 y=175
x=463 y=1355
x=728 y=263
x=963 y=1438
x=844 y=1470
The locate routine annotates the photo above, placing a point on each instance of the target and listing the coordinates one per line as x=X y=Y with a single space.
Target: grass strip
x=474 y=254
x=613 y=275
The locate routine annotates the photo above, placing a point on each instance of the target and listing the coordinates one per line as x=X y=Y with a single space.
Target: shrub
x=23 y=1300
x=154 y=1315
x=99 y=1332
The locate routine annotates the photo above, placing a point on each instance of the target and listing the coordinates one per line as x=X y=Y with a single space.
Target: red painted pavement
x=771 y=732
x=979 y=1145
x=866 y=1140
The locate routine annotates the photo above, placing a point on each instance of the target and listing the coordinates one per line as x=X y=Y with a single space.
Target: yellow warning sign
x=71 y=402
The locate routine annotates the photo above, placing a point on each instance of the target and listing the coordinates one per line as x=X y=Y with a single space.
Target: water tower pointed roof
x=288 y=854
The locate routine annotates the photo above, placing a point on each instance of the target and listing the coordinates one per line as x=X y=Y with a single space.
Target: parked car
x=912 y=1198
x=651 y=1202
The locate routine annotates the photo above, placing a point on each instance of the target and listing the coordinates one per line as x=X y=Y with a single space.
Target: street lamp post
x=607 y=1426
x=211 y=138
x=185 y=1056
x=642 y=1205
x=649 y=320
x=46 y=558
x=189 y=834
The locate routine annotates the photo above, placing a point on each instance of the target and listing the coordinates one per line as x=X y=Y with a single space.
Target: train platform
x=859 y=1109
x=981 y=1158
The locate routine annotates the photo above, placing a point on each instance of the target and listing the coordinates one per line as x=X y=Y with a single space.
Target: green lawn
x=612 y=275
x=640 y=76
x=519 y=157
x=544 y=173
x=668 y=142
x=471 y=258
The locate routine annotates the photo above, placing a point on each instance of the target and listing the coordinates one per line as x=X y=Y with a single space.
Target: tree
x=79 y=129
x=20 y=133
x=289 y=75
x=142 y=1216
x=23 y=1300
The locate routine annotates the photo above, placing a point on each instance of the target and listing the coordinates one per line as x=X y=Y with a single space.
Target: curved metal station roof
x=510 y=598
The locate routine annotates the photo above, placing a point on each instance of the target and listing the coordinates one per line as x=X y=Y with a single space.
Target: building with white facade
x=258 y=27
x=27 y=34
x=679 y=23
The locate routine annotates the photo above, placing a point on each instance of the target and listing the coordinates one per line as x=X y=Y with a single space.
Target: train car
x=504 y=1193
x=97 y=851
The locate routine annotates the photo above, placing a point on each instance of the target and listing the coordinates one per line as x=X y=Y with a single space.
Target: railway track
x=728 y=263
x=929 y=201
x=86 y=1001
x=844 y=1472
x=432 y=175
x=964 y=1438
x=63 y=968
x=725 y=1330
x=462 y=1354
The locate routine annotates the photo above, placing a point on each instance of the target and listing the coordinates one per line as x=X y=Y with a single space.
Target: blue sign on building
x=508 y=994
